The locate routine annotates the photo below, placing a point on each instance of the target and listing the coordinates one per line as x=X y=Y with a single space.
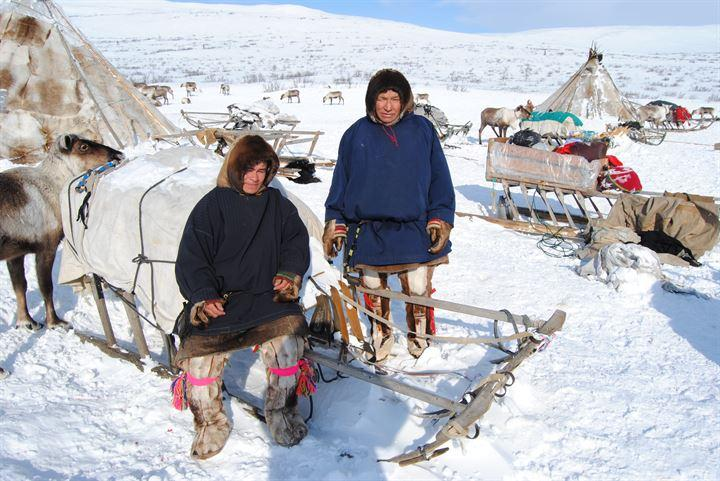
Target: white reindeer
x=335 y=94
x=655 y=114
x=502 y=118
x=701 y=111
x=422 y=98
x=291 y=94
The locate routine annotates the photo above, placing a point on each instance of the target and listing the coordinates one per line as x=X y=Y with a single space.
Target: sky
x=493 y=16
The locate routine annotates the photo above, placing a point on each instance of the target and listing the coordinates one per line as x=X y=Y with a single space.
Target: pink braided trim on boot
x=179 y=388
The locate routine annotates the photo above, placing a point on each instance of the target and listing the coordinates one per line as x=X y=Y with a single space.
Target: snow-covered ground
x=629 y=390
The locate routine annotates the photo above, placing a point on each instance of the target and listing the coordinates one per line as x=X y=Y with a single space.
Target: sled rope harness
x=91 y=176
x=141 y=258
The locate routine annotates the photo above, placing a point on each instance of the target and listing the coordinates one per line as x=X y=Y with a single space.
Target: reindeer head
x=82 y=154
x=522 y=112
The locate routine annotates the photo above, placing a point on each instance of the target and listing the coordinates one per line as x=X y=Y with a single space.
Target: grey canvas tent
x=590 y=93
x=55 y=82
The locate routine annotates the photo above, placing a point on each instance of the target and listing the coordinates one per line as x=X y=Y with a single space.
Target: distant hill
x=286 y=45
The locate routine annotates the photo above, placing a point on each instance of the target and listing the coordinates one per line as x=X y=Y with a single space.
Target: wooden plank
x=99 y=296
x=386 y=382
x=561 y=198
x=575 y=194
x=135 y=325
x=341 y=324
x=508 y=197
x=352 y=314
x=529 y=203
x=550 y=209
x=444 y=305
x=526 y=227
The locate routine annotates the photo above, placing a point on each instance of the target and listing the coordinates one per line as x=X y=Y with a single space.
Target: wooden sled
x=462 y=414
x=285 y=143
x=338 y=352
x=544 y=192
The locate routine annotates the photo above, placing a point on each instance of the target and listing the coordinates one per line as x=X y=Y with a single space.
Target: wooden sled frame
x=230 y=120
x=462 y=414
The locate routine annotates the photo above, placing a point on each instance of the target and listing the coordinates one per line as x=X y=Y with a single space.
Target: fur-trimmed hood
x=384 y=80
x=246 y=152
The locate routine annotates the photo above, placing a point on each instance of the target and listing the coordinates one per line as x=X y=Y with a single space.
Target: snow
x=628 y=390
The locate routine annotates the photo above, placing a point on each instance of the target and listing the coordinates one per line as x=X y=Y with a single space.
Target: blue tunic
x=388 y=182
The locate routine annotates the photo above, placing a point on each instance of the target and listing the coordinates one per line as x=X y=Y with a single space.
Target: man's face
x=254 y=178
x=387 y=107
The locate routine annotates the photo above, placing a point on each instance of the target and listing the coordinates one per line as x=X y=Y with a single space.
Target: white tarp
x=523 y=164
x=112 y=238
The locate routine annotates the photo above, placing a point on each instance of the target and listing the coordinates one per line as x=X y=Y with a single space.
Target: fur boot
x=417 y=282
x=286 y=425
x=382 y=336
x=212 y=427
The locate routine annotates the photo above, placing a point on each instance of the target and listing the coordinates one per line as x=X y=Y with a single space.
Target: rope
x=141 y=258
x=551 y=243
x=117 y=291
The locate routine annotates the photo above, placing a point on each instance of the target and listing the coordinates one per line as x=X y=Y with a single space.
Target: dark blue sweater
x=234 y=243
x=390 y=189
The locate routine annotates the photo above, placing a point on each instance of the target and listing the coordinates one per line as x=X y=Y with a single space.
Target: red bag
x=621 y=178
x=682 y=115
x=614 y=161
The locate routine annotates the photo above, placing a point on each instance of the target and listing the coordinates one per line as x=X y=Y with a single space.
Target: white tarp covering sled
x=135 y=217
x=523 y=164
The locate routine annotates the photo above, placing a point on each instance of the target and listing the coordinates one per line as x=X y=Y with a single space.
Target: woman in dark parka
x=240 y=264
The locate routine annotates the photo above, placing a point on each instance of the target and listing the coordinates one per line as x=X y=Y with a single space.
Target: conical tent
x=590 y=93
x=55 y=82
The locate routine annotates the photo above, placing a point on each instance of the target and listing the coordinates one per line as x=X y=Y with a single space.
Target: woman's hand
x=214 y=308
x=281 y=283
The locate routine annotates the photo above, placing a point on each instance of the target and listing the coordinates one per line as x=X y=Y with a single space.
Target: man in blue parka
x=392 y=204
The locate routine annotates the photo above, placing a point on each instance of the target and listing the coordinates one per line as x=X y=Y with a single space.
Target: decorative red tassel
x=431 y=316
x=179 y=390
x=306 y=383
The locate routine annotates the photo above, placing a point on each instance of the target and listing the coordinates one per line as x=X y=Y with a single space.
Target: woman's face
x=387 y=107
x=254 y=178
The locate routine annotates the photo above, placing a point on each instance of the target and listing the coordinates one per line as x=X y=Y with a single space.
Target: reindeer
x=290 y=94
x=701 y=111
x=655 y=114
x=138 y=85
x=334 y=94
x=225 y=89
x=162 y=91
x=30 y=221
x=185 y=100
x=189 y=87
x=422 y=99
x=502 y=118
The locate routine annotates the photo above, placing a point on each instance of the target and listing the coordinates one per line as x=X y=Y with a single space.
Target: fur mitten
x=439 y=232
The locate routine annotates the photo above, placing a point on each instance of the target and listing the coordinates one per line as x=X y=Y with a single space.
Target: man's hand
x=439 y=232
x=333 y=238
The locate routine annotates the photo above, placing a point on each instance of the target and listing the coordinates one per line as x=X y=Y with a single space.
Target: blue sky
x=489 y=16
